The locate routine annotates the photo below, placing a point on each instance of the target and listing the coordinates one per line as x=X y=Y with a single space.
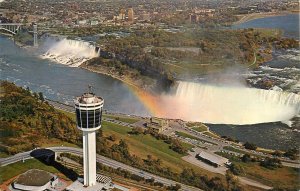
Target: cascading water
x=71 y=52
x=229 y=105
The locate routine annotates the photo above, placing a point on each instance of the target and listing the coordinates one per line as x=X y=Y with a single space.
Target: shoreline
x=104 y=72
x=253 y=16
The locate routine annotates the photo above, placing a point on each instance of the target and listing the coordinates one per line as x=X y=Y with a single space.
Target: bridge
x=12 y=28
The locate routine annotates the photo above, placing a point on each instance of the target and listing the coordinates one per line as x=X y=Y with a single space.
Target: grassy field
x=123 y=118
x=56 y=142
x=12 y=170
x=200 y=128
x=182 y=134
x=284 y=177
x=197 y=126
x=143 y=145
x=3 y=155
x=211 y=134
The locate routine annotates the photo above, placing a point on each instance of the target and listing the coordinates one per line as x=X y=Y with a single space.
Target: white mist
x=70 y=52
x=229 y=105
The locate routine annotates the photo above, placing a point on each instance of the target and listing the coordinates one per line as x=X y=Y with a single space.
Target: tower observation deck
x=88 y=117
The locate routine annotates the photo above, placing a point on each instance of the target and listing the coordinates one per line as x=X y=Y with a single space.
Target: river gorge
x=248 y=114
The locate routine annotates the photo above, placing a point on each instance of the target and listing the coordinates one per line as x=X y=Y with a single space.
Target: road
x=101 y=159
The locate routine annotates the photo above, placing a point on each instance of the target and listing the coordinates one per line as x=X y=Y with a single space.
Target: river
x=289 y=24
x=62 y=83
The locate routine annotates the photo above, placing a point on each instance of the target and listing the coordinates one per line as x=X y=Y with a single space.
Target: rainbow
x=149 y=100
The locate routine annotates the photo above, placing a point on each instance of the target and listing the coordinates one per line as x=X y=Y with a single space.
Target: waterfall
x=229 y=105
x=70 y=52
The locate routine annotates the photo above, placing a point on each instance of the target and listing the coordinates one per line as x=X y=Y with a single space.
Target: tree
x=174 y=187
x=28 y=91
x=137 y=177
x=246 y=158
x=231 y=180
x=177 y=147
x=158 y=184
x=277 y=153
x=41 y=96
x=271 y=163
x=100 y=133
x=250 y=146
x=236 y=169
x=150 y=180
x=112 y=137
x=292 y=153
x=137 y=130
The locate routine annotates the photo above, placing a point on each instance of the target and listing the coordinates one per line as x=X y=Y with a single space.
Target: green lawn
x=284 y=177
x=211 y=134
x=187 y=145
x=182 y=134
x=12 y=170
x=197 y=126
x=56 y=142
x=143 y=145
x=123 y=118
x=230 y=148
x=3 y=155
x=200 y=128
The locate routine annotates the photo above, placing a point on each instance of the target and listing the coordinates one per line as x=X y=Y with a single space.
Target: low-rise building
x=212 y=159
x=35 y=179
x=158 y=125
x=93 y=23
x=103 y=183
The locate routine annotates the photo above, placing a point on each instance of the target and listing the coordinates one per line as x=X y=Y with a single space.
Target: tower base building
x=102 y=183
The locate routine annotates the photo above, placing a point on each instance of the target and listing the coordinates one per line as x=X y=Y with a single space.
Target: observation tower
x=88 y=117
x=35 y=35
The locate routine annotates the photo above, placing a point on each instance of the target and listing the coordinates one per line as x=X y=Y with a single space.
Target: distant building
x=93 y=23
x=199 y=11
x=130 y=15
x=212 y=159
x=122 y=14
x=81 y=22
x=205 y=12
x=158 y=125
x=35 y=179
